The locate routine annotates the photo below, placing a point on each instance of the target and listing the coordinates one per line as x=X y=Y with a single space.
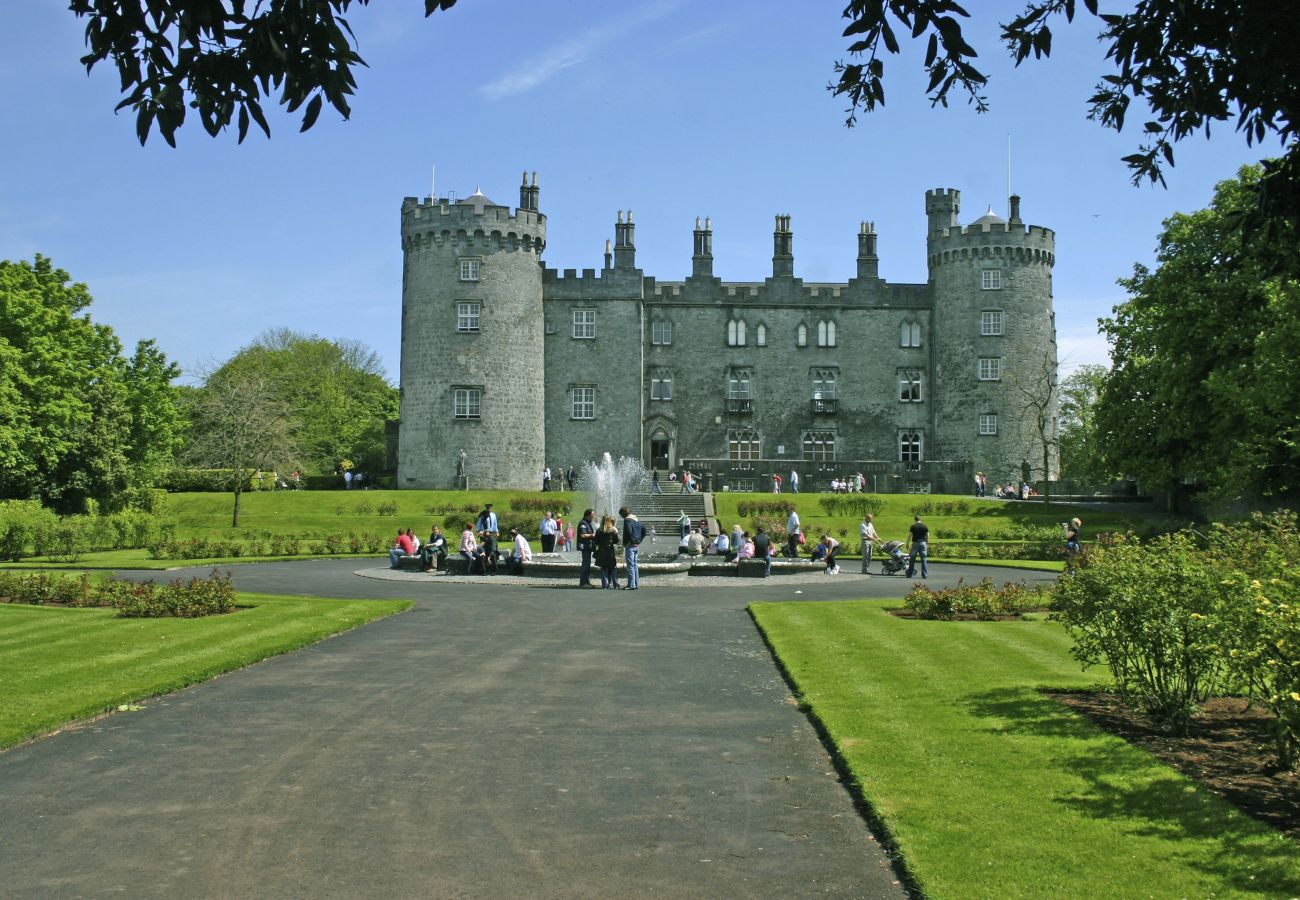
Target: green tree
x=1204 y=388
x=241 y=425
x=337 y=398
x=1082 y=458
x=1192 y=64
x=157 y=428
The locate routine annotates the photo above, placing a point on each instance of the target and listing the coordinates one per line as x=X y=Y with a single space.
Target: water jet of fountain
x=608 y=482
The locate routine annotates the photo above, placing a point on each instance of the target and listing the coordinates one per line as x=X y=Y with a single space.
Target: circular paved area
x=503 y=738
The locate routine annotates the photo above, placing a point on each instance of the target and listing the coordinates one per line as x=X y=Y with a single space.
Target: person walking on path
x=586 y=544
x=633 y=534
x=1073 y=530
x=919 y=535
x=606 y=542
x=546 y=478
x=794 y=482
x=792 y=532
x=655 y=487
x=776 y=483
x=867 y=531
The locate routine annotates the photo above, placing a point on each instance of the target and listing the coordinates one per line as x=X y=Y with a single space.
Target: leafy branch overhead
x=224 y=58
x=1193 y=64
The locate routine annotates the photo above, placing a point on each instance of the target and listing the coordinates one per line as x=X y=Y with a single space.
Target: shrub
x=537 y=504
x=67 y=540
x=23 y=527
x=186 y=599
x=363 y=508
x=981 y=600
x=1148 y=612
x=387 y=508
x=762 y=508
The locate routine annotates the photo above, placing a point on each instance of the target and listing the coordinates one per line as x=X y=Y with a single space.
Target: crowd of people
x=1009 y=491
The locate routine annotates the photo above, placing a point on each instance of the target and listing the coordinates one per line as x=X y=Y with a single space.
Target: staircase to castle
x=663 y=510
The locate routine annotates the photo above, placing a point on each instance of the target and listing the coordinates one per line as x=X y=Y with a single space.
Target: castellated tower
x=472 y=343
x=994 y=343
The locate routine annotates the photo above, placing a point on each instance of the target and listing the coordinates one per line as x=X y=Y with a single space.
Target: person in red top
x=404 y=546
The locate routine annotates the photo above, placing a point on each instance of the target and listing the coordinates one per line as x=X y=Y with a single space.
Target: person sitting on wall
x=491 y=552
x=832 y=549
x=722 y=546
x=520 y=553
x=819 y=552
x=471 y=551
x=695 y=543
x=704 y=526
x=433 y=554
x=746 y=550
x=401 y=547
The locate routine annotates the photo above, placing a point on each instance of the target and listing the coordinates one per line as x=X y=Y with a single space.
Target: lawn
x=991 y=789
x=59 y=664
x=994 y=517
x=317 y=513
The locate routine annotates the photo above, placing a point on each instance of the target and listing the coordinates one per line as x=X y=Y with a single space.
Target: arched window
x=801 y=336
x=760 y=335
x=910 y=446
x=909 y=334
x=736 y=333
x=825 y=334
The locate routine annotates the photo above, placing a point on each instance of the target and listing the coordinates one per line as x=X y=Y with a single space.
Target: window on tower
x=467 y=402
x=991 y=322
x=584 y=402
x=467 y=316
x=584 y=324
x=469 y=269
x=990 y=368
x=661 y=332
x=991 y=280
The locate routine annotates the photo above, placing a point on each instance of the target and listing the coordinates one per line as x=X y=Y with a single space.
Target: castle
x=917 y=386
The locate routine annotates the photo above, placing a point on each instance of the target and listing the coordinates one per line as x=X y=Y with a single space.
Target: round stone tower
x=472 y=343
x=993 y=350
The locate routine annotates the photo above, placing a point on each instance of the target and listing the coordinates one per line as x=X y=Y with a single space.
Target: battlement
x=591 y=284
x=941 y=198
x=1031 y=244
x=478 y=225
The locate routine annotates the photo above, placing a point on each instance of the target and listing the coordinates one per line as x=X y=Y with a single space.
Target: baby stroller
x=895 y=559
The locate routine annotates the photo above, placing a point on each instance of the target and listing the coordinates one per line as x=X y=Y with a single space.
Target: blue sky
x=669 y=108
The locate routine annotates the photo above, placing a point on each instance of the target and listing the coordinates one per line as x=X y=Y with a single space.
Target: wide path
x=498 y=740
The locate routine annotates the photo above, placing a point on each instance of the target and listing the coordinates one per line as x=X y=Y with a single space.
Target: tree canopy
x=336 y=398
x=222 y=58
x=1082 y=458
x=1192 y=64
x=1204 y=388
x=78 y=421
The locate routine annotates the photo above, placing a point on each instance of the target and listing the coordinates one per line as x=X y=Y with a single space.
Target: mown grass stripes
x=992 y=789
x=58 y=665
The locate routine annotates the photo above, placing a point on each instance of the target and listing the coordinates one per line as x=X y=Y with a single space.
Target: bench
x=751 y=568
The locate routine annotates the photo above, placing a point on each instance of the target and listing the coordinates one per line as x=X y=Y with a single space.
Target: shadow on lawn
x=1150 y=799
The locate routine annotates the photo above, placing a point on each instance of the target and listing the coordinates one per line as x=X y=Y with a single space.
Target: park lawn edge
x=1241 y=846
x=93 y=710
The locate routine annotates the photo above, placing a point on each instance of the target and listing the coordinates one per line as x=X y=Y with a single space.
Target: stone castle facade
x=918 y=386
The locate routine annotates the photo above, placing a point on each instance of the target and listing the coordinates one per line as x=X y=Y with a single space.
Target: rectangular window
x=584 y=323
x=909 y=386
x=661 y=333
x=909 y=446
x=991 y=322
x=988 y=424
x=467 y=402
x=743 y=445
x=467 y=316
x=824 y=383
x=584 y=403
x=661 y=386
x=990 y=368
x=819 y=445
x=738 y=385
x=918 y=487
x=991 y=280
x=469 y=270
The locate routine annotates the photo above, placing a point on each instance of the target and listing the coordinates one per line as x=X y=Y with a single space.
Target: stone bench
x=751 y=568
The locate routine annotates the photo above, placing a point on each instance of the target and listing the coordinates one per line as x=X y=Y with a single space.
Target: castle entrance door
x=661 y=453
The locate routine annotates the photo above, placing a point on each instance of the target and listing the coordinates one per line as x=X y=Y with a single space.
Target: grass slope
x=991 y=789
x=60 y=664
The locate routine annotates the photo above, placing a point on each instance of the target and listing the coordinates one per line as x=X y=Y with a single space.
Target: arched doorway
x=661 y=449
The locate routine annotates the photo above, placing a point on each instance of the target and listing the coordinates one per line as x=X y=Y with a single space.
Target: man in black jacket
x=586 y=543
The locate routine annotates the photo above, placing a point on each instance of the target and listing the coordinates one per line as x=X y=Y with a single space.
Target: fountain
x=608 y=482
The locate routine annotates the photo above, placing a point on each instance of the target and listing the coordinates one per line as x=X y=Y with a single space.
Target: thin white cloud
x=545 y=65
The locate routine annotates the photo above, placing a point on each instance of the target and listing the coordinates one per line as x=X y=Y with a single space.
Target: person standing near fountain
x=606 y=541
x=586 y=544
x=548 y=529
x=792 y=532
x=683 y=524
x=633 y=534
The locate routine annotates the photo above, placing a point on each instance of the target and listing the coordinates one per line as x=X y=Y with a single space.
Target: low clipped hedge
x=187 y=599
x=981 y=600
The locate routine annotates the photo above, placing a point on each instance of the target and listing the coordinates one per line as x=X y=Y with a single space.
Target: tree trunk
x=239 y=484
